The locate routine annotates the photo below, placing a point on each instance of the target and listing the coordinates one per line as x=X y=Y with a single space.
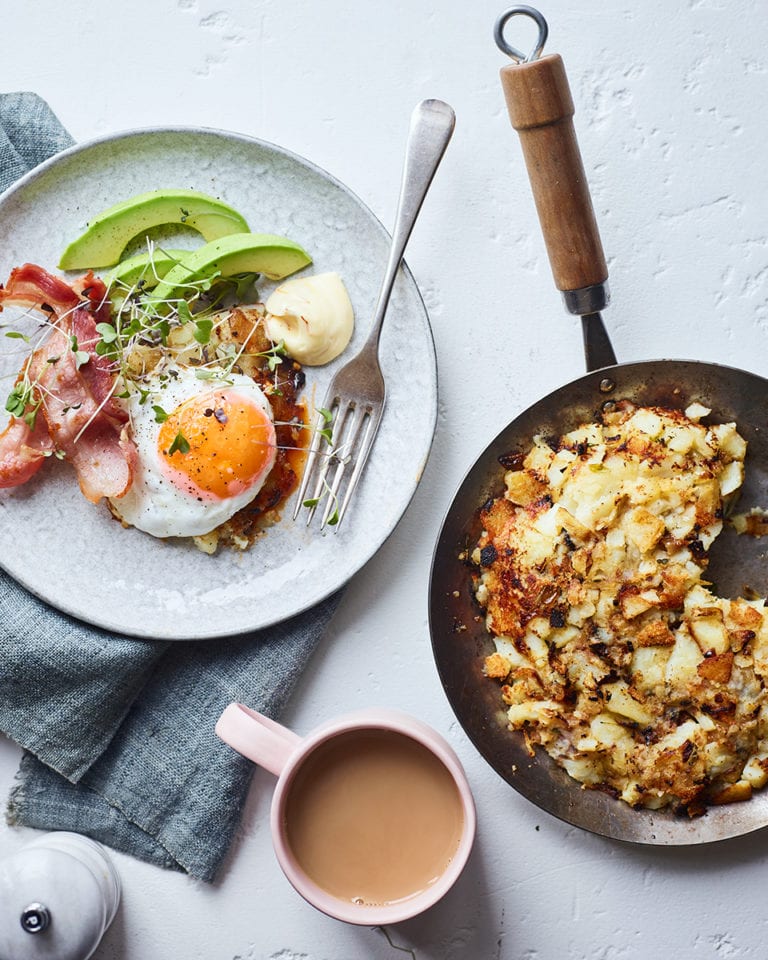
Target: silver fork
x=351 y=412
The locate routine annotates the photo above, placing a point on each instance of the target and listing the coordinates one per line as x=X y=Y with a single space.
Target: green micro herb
x=81 y=356
x=180 y=444
x=107 y=332
x=327 y=491
x=203 y=330
x=326 y=432
x=30 y=417
x=274 y=355
x=160 y=415
x=21 y=403
x=183 y=312
x=18 y=398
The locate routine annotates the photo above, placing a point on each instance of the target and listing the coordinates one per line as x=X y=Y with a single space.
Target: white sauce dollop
x=313 y=317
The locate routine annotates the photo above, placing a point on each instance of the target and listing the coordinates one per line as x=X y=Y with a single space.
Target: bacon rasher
x=78 y=415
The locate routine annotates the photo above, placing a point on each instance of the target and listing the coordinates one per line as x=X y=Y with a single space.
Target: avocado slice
x=129 y=272
x=272 y=256
x=110 y=231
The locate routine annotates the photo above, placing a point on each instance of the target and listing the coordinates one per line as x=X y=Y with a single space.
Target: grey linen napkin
x=118 y=732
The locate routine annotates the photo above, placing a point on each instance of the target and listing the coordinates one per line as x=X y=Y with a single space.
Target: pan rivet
x=606 y=385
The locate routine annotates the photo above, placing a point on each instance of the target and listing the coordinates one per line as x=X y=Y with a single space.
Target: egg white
x=153 y=503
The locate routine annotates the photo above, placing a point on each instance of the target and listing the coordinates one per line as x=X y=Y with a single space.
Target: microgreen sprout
x=333 y=519
x=81 y=356
x=180 y=444
x=326 y=432
x=19 y=398
x=203 y=329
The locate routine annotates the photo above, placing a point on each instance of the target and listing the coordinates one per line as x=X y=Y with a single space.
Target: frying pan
x=541 y=108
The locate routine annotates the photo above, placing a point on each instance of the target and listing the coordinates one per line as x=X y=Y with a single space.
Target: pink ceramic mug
x=372 y=817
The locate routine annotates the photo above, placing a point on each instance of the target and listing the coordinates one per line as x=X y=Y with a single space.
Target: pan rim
x=618 y=820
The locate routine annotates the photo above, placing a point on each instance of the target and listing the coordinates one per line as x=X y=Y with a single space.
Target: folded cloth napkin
x=118 y=732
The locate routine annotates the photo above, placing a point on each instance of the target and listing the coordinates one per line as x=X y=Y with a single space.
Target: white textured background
x=672 y=117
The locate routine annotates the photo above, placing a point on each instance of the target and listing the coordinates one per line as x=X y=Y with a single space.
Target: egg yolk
x=221 y=442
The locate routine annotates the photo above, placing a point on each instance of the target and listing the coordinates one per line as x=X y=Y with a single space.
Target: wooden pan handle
x=541 y=110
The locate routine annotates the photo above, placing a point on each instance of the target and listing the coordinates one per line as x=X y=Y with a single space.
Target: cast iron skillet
x=459 y=639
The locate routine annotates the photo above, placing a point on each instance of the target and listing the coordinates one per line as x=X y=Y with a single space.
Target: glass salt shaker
x=58 y=895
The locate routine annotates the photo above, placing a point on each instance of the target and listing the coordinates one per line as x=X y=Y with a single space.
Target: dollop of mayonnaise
x=313 y=317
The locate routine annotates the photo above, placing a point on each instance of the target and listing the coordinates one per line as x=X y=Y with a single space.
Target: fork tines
x=342 y=439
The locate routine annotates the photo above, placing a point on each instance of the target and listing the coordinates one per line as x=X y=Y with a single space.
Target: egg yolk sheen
x=220 y=443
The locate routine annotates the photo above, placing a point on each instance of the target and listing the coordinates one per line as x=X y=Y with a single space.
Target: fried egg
x=204 y=450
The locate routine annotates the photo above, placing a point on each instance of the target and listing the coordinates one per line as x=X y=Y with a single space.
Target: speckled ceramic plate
x=71 y=553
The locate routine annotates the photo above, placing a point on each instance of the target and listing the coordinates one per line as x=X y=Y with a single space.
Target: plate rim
x=104 y=623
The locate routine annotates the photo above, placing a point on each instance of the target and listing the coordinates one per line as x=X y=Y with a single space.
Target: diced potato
x=507 y=649
x=705 y=722
x=696 y=410
x=732 y=477
x=497 y=666
x=733 y=793
x=647 y=422
x=746 y=614
x=680 y=439
x=686 y=731
x=633 y=604
x=729 y=440
x=535 y=711
x=574 y=528
x=538 y=649
x=619 y=700
x=710 y=633
x=606 y=730
x=682 y=665
x=582 y=769
x=655 y=633
x=649 y=666
x=717 y=668
x=523 y=487
x=755 y=771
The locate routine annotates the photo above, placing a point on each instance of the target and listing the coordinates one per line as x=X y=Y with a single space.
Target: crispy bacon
x=23 y=451
x=78 y=414
x=31 y=286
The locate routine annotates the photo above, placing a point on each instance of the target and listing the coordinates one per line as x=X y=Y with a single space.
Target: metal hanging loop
x=513 y=52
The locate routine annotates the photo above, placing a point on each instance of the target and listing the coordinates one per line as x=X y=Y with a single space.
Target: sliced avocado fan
x=110 y=232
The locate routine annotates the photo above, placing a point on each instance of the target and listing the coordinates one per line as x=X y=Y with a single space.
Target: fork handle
x=432 y=124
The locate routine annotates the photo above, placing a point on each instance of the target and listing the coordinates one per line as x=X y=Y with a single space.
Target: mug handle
x=267 y=743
